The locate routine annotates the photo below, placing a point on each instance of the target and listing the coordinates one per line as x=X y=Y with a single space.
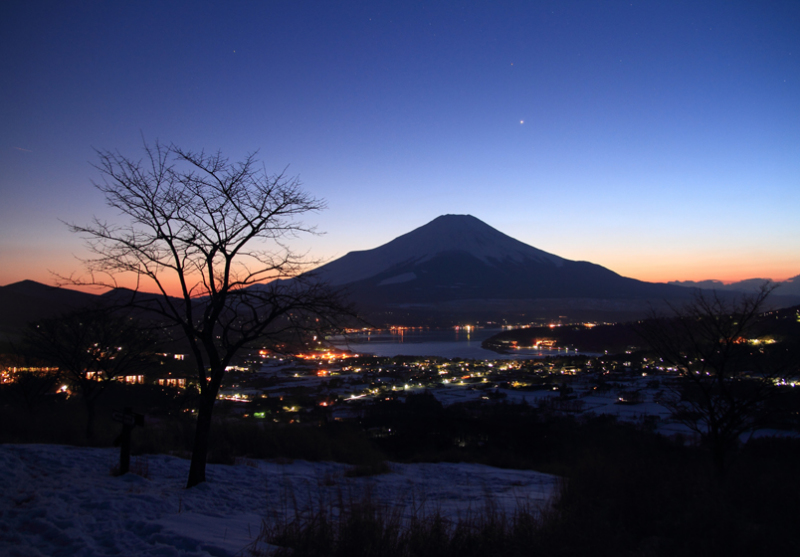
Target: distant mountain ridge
x=27 y=300
x=790 y=287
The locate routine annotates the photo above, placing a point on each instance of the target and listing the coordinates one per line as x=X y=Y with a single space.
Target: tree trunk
x=90 y=407
x=718 y=456
x=197 y=470
x=719 y=450
x=202 y=432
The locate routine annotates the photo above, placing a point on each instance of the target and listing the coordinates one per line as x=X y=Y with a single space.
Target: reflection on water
x=464 y=342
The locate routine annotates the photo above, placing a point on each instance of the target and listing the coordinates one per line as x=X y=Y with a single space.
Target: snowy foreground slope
x=59 y=500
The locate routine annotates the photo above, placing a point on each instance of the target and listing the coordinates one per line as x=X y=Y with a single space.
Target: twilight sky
x=658 y=139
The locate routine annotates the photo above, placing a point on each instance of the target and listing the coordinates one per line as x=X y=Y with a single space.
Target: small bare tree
x=211 y=233
x=32 y=379
x=726 y=373
x=90 y=347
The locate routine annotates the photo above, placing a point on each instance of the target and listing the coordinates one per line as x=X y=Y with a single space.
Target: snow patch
x=60 y=500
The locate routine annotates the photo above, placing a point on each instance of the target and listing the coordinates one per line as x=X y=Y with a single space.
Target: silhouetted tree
x=90 y=347
x=31 y=379
x=726 y=373
x=214 y=231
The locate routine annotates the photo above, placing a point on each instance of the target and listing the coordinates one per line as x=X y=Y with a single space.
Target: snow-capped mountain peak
x=445 y=234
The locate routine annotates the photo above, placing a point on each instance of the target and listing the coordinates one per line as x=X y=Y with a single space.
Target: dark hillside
x=26 y=301
x=611 y=338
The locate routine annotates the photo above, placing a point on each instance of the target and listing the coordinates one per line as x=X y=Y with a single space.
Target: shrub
x=360 y=527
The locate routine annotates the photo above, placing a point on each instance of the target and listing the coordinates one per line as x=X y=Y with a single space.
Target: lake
x=445 y=343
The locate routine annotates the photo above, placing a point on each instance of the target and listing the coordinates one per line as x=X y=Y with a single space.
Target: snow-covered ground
x=58 y=500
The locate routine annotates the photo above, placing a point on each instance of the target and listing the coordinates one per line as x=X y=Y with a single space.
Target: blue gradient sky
x=659 y=139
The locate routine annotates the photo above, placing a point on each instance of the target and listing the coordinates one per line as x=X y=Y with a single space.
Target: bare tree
x=32 y=379
x=90 y=347
x=726 y=372
x=214 y=231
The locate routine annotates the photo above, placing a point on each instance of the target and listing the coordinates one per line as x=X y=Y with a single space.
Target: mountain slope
x=445 y=234
x=457 y=260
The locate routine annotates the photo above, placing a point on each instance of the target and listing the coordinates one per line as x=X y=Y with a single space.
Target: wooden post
x=129 y=421
x=125 y=442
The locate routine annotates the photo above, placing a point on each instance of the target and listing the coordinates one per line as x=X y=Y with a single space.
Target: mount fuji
x=460 y=266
